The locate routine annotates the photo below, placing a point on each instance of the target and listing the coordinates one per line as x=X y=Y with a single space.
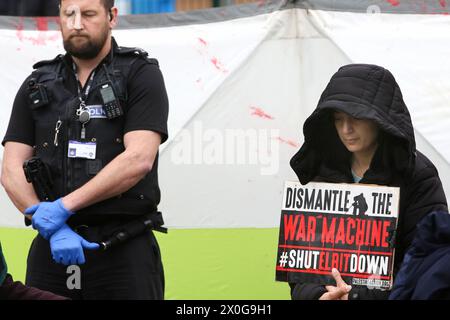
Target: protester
x=361 y=132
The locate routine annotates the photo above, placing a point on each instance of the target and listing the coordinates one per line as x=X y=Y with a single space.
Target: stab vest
x=69 y=174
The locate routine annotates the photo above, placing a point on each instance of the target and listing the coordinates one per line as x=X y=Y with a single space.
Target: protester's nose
x=347 y=126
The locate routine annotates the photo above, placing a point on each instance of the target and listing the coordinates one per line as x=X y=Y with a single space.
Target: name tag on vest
x=85 y=150
x=97 y=112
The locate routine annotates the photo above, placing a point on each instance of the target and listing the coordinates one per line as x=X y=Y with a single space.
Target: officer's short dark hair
x=108 y=4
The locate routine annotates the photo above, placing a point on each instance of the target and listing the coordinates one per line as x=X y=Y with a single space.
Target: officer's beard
x=88 y=50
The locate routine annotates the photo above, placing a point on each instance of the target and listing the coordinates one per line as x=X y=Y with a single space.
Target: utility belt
x=113 y=232
x=118 y=231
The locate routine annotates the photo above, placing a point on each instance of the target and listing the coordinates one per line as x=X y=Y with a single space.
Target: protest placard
x=350 y=227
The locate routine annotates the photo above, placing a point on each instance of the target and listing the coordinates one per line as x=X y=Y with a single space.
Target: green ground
x=199 y=264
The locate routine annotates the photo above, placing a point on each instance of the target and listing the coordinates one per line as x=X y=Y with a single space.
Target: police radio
x=111 y=104
x=38 y=94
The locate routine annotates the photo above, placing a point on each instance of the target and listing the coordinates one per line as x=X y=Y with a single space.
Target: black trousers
x=132 y=270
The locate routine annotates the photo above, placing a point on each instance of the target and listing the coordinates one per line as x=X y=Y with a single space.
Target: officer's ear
x=113 y=12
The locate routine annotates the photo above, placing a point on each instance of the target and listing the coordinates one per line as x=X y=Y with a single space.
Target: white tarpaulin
x=240 y=90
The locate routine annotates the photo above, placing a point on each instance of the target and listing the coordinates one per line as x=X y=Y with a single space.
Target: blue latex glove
x=67 y=246
x=48 y=217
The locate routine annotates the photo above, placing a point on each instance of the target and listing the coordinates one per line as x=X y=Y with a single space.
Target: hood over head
x=364 y=92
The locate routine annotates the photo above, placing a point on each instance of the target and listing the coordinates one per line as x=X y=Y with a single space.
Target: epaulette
x=132 y=51
x=57 y=59
x=137 y=52
x=153 y=61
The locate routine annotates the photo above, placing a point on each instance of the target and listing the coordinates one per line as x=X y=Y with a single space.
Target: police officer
x=96 y=117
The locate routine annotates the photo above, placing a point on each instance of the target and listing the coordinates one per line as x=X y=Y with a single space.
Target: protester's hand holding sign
x=338 y=292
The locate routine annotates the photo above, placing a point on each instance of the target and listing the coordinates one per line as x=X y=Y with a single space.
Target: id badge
x=85 y=150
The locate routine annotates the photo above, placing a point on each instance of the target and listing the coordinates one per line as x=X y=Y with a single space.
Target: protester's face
x=356 y=135
x=85 y=27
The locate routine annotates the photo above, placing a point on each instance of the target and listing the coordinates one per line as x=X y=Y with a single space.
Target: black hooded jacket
x=369 y=92
x=424 y=274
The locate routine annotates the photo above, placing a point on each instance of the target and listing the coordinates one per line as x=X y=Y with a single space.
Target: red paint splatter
x=219 y=66
x=19 y=30
x=41 y=23
x=203 y=50
x=203 y=42
x=260 y=113
x=42 y=27
x=394 y=2
x=443 y=3
x=288 y=142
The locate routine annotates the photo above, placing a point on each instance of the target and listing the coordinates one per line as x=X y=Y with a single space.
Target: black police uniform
x=44 y=116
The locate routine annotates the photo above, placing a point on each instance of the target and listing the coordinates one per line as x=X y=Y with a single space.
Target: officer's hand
x=48 y=217
x=67 y=246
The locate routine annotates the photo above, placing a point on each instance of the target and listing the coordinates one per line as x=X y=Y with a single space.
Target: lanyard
x=83 y=96
x=83 y=112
